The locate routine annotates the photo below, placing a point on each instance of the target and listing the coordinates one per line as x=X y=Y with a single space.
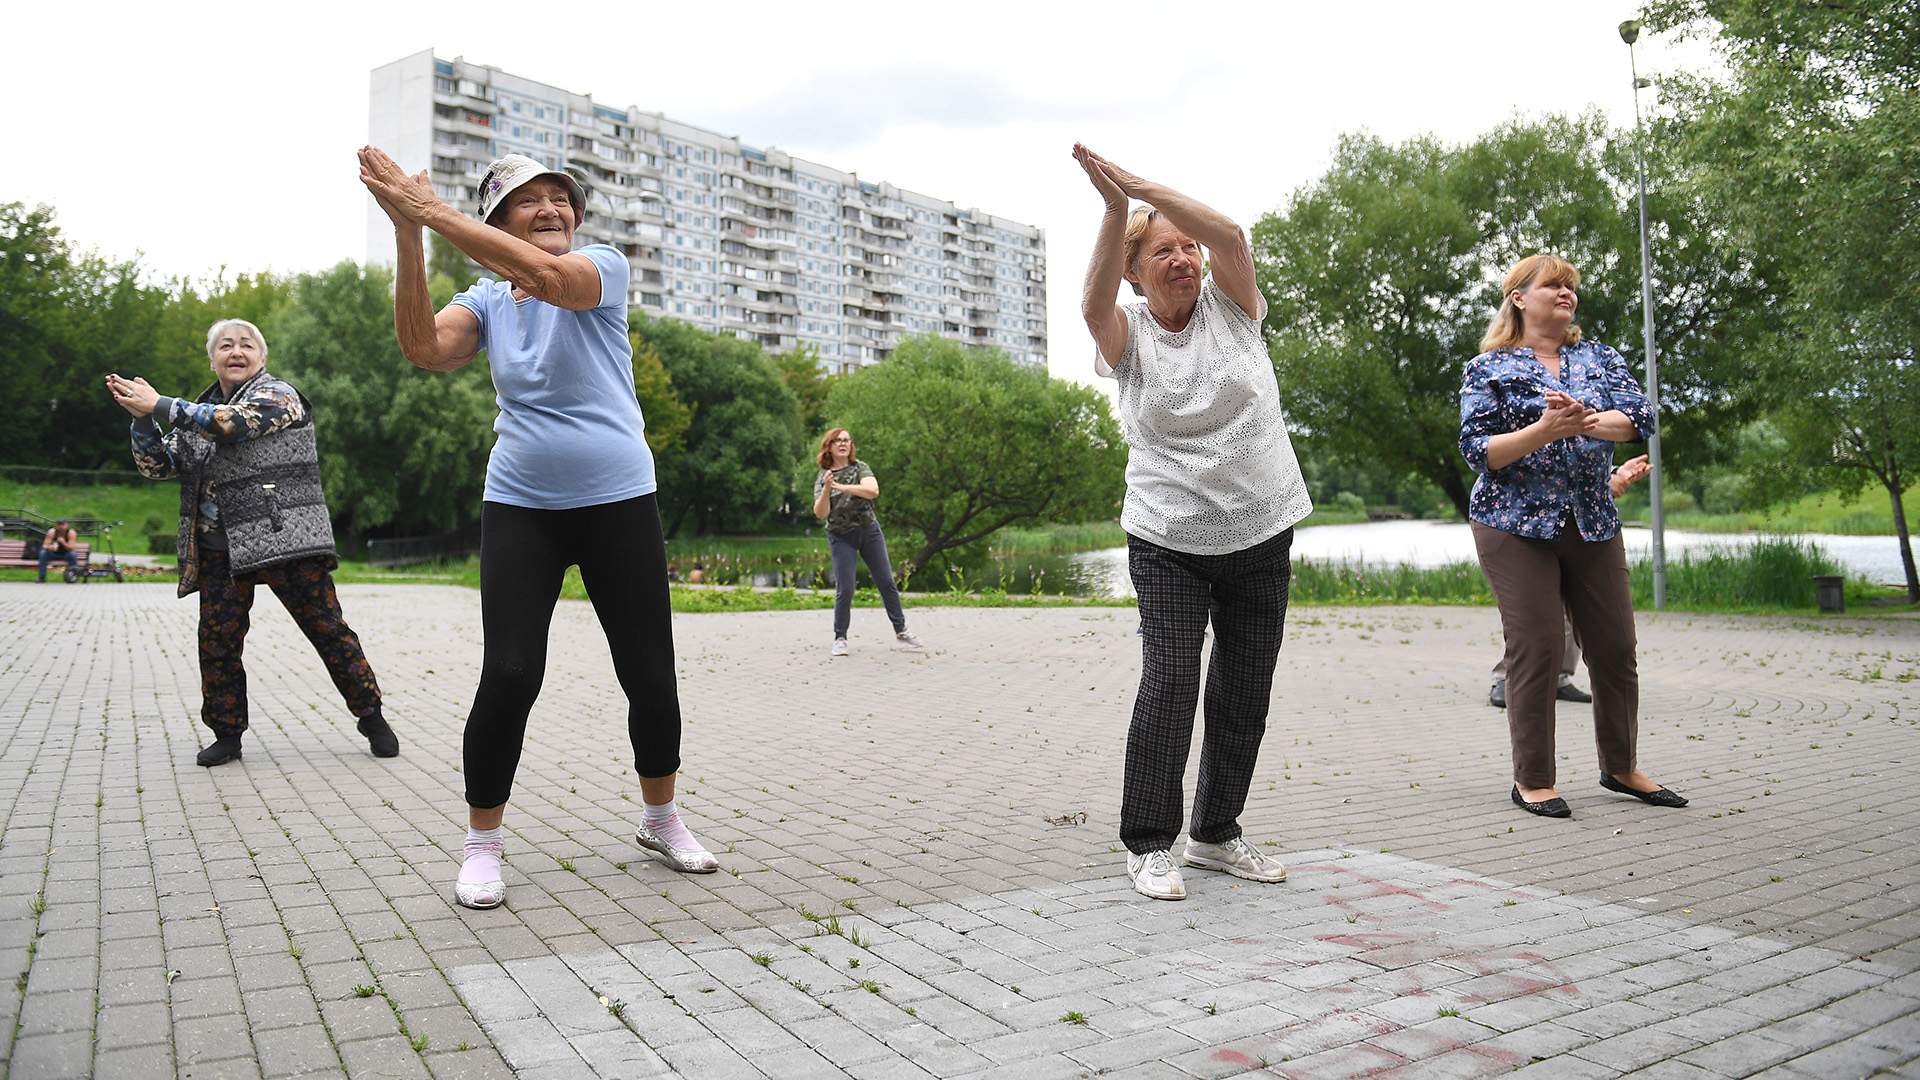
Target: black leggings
x=524 y=555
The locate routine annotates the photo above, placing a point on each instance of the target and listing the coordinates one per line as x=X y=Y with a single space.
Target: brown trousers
x=1538 y=584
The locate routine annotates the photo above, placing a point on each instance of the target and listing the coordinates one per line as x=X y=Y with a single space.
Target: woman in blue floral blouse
x=1540 y=412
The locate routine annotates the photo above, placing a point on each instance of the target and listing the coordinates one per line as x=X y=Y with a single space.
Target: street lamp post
x=1629 y=33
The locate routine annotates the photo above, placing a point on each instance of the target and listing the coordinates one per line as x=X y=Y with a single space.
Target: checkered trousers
x=1244 y=595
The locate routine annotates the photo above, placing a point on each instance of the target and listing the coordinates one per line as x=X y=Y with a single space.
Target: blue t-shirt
x=569 y=431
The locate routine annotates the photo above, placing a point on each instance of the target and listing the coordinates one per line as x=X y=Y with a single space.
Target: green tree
x=401 y=449
x=966 y=442
x=731 y=471
x=66 y=319
x=666 y=416
x=445 y=260
x=1381 y=275
x=800 y=369
x=1810 y=149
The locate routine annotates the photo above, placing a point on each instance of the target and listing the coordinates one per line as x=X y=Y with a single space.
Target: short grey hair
x=214 y=331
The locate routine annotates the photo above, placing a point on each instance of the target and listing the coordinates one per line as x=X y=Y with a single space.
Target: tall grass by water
x=1774 y=574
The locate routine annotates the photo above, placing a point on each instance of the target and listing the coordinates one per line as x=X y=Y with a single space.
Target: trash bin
x=1829 y=593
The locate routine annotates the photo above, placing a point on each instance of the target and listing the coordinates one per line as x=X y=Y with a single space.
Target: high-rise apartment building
x=723 y=234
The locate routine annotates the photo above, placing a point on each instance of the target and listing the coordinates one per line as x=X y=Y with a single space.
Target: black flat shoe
x=1554 y=807
x=1656 y=797
x=219 y=752
x=1497 y=697
x=1570 y=692
x=380 y=738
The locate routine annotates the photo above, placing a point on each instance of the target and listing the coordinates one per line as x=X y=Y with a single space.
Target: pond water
x=1420 y=543
x=1437 y=543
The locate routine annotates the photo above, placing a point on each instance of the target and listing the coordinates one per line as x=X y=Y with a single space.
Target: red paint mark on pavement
x=1380 y=888
x=1233 y=1057
x=1512 y=1059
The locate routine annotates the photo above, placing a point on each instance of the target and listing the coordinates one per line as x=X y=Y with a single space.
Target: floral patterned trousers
x=305 y=588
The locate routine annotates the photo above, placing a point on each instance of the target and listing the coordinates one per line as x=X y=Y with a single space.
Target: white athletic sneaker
x=907 y=640
x=1236 y=857
x=687 y=860
x=1154 y=875
x=839 y=646
x=480 y=884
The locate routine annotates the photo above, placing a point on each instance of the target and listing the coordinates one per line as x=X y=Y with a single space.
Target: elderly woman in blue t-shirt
x=570 y=480
x=1541 y=410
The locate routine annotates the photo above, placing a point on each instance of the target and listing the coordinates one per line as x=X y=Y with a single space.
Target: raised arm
x=152 y=451
x=1230 y=256
x=1107 y=268
x=570 y=281
x=267 y=407
x=437 y=342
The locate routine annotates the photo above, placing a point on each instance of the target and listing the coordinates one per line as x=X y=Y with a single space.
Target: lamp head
x=1630 y=31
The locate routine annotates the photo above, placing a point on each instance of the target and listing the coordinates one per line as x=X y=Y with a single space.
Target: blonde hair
x=1508 y=327
x=1137 y=224
x=825 y=457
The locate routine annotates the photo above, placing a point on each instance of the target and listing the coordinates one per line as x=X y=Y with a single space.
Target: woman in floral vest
x=251 y=513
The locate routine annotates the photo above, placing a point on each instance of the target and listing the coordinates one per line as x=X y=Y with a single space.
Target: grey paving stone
x=369 y=847
x=53 y=1056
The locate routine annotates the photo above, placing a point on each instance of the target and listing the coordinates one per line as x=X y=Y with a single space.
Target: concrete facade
x=721 y=233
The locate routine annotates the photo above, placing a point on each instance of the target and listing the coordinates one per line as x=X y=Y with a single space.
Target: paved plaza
x=921 y=875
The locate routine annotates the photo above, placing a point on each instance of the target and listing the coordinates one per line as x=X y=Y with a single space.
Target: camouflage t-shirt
x=846 y=512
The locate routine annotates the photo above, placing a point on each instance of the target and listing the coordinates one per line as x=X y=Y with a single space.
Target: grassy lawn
x=1868 y=513
x=132 y=504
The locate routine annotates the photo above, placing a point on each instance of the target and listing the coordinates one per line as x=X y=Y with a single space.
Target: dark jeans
x=47 y=555
x=524 y=555
x=870 y=544
x=305 y=588
x=1244 y=595
x=1535 y=581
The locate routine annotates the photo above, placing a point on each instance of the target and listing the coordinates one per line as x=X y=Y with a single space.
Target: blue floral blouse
x=1505 y=390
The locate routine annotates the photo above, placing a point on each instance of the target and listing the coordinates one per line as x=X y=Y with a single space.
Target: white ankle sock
x=665 y=822
x=482 y=836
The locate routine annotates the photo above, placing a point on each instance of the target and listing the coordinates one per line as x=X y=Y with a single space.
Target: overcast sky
x=202 y=135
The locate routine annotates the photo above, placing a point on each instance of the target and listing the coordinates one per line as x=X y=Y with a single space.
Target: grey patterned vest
x=268 y=490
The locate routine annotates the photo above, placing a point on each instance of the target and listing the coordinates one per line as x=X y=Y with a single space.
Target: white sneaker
x=687 y=860
x=839 y=646
x=480 y=884
x=1154 y=875
x=907 y=640
x=1236 y=857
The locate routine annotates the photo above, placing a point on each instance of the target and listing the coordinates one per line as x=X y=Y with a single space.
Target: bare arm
x=1231 y=257
x=436 y=342
x=823 y=502
x=1105 y=270
x=570 y=281
x=1612 y=425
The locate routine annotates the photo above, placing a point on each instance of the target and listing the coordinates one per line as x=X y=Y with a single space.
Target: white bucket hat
x=508 y=173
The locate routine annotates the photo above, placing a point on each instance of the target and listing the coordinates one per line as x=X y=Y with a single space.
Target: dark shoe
x=1554 y=807
x=1656 y=797
x=1497 y=697
x=380 y=738
x=220 y=751
x=1570 y=692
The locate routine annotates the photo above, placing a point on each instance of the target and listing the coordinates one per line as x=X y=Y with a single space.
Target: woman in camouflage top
x=843 y=497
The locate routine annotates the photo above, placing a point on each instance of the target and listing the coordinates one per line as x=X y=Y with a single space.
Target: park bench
x=14 y=553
